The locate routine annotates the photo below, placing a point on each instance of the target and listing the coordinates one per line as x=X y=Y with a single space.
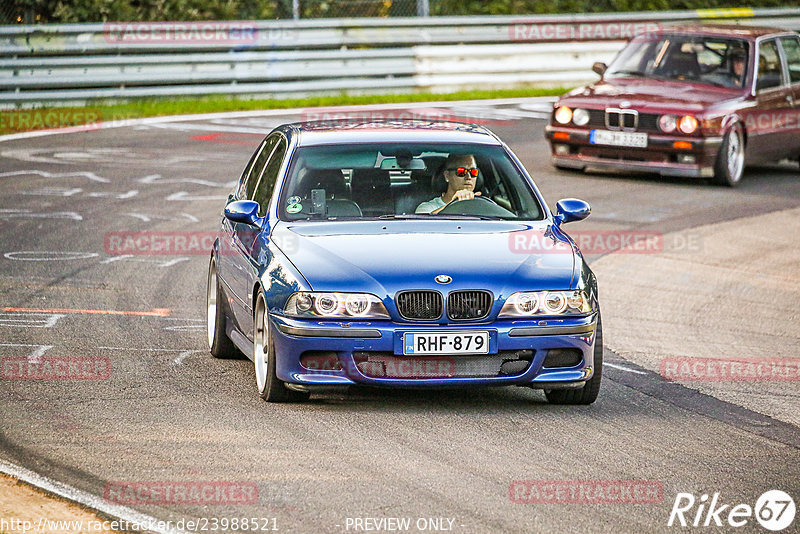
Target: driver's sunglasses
x=463 y=171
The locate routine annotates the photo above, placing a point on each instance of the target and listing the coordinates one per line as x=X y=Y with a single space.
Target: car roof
x=390 y=131
x=725 y=30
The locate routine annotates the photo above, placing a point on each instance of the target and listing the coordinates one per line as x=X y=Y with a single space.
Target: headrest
x=331 y=180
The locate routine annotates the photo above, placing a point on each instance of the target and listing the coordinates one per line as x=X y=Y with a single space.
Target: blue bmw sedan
x=401 y=253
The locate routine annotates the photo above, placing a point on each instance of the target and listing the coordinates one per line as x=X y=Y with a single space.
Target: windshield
x=412 y=180
x=710 y=60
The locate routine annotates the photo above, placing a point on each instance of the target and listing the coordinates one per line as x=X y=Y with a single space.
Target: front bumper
x=353 y=342
x=574 y=150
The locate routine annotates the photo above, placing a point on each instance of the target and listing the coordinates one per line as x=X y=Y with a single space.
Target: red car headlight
x=667 y=123
x=563 y=115
x=687 y=124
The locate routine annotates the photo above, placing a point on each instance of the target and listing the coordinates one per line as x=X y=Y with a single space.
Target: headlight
x=580 y=117
x=563 y=115
x=543 y=303
x=687 y=124
x=667 y=123
x=335 y=305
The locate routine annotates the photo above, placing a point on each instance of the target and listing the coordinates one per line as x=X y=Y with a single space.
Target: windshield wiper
x=439 y=216
x=406 y=216
x=628 y=73
x=462 y=217
x=715 y=84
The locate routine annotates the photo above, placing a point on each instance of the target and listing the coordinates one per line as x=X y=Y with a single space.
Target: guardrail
x=73 y=63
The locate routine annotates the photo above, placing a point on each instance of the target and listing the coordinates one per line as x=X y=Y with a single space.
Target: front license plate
x=421 y=343
x=606 y=137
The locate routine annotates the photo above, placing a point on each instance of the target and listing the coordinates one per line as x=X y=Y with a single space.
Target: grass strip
x=27 y=119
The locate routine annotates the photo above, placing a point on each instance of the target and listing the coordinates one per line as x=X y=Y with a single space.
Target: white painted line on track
x=44 y=174
x=140 y=349
x=183 y=355
x=29 y=320
x=181 y=196
x=268 y=113
x=123 y=513
x=28 y=214
x=35 y=354
x=626 y=369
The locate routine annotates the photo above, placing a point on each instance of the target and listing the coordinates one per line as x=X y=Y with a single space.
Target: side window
x=769 y=66
x=249 y=185
x=263 y=191
x=791 y=47
x=248 y=170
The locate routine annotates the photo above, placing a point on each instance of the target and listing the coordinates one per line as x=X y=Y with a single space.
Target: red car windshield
x=698 y=59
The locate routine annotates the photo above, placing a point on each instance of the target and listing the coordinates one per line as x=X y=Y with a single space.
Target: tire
x=270 y=387
x=218 y=342
x=729 y=166
x=588 y=393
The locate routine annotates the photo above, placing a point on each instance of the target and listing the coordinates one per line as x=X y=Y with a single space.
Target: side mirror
x=571 y=209
x=599 y=67
x=244 y=211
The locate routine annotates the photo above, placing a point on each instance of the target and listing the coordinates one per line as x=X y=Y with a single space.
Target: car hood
x=384 y=257
x=649 y=95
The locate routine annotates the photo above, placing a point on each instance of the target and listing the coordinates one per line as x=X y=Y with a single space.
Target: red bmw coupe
x=692 y=101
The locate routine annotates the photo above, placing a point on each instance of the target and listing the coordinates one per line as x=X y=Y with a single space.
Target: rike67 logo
x=774 y=510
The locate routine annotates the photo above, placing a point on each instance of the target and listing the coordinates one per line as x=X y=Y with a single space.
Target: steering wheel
x=479 y=205
x=479 y=197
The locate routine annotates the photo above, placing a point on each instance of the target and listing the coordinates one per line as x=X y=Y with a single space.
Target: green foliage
x=150 y=10
x=539 y=7
x=189 y=10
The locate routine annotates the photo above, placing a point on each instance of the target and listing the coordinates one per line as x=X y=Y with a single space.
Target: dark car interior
x=701 y=59
x=378 y=192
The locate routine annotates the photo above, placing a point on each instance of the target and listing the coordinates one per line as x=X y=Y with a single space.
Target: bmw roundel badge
x=443 y=279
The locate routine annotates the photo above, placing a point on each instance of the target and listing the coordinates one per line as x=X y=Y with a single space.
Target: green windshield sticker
x=294 y=208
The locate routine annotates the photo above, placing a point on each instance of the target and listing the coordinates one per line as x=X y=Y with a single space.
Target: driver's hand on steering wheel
x=465 y=194
x=461 y=194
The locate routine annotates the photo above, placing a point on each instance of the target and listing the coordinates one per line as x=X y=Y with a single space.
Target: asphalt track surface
x=170 y=412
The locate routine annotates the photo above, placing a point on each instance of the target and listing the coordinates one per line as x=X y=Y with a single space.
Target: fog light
x=320 y=361
x=561 y=150
x=686 y=158
x=562 y=358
